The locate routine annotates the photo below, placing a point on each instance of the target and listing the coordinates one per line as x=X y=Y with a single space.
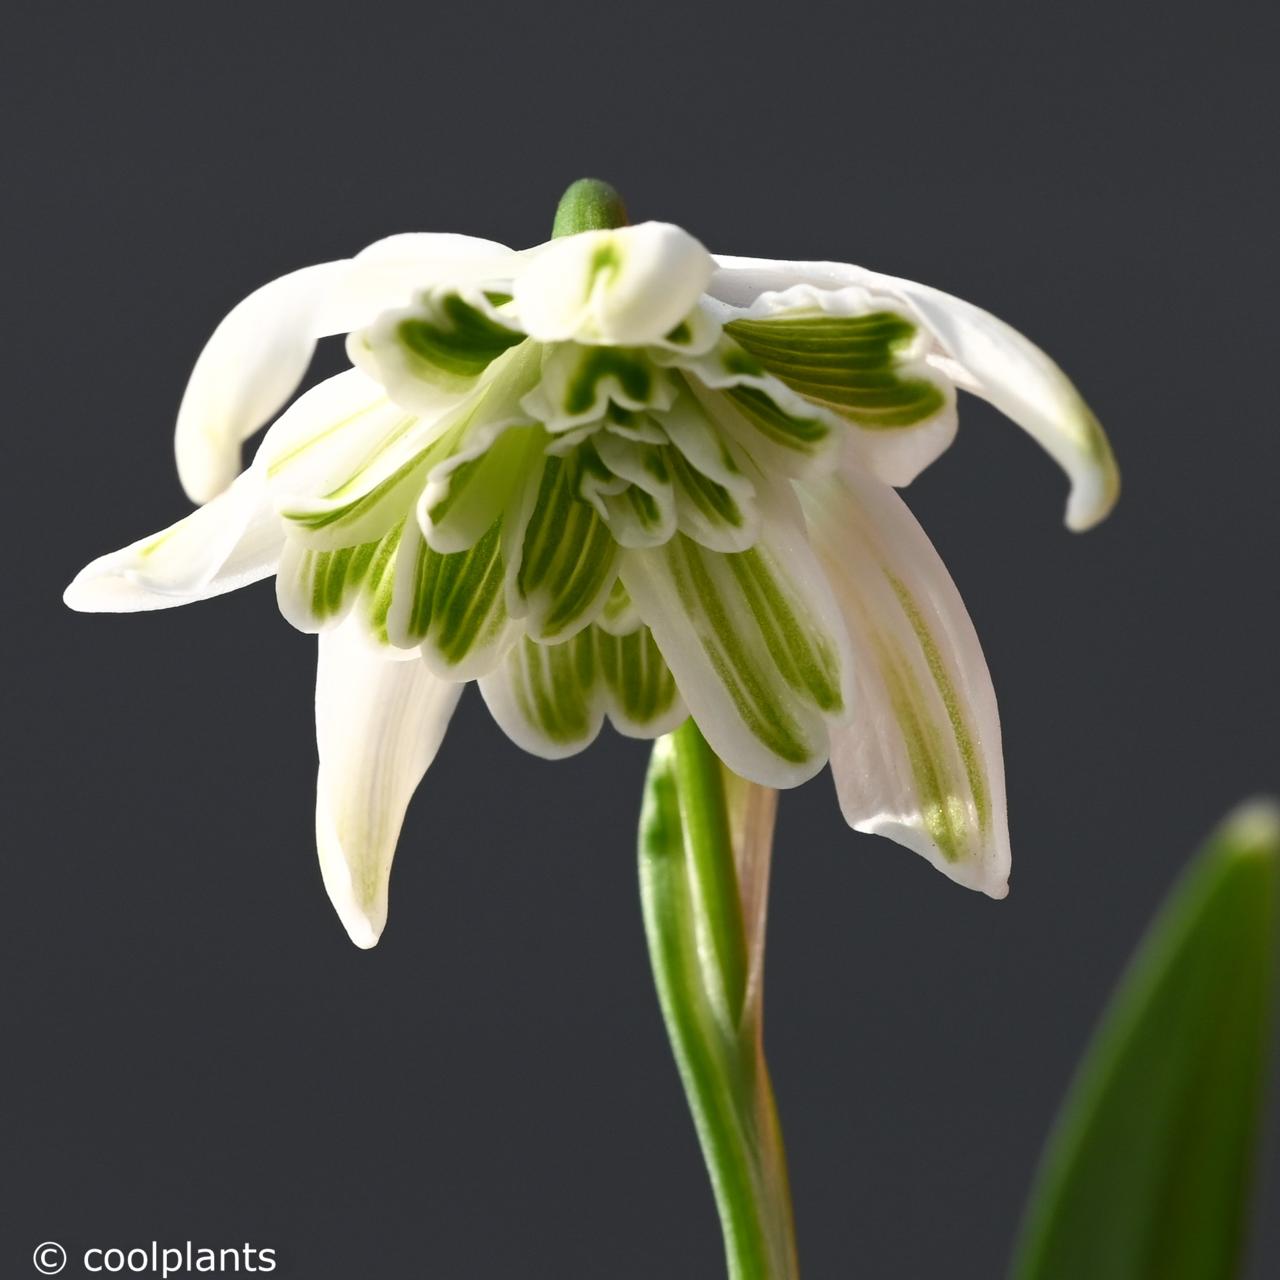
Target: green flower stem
x=704 y=817
x=700 y=826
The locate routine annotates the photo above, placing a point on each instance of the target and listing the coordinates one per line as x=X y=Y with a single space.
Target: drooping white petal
x=755 y=642
x=982 y=354
x=228 y=543
x=920 y=760
x=247 y=370
x=379 y=724
x=628 y=287
x=257 y=356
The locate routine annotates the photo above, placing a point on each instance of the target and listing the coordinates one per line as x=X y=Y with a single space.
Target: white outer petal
x=994 y=361
x=390 y=271
x=866 y=537
x=232 y=541
x=379 y=724
x=258 y=354
x=628 y=287
x=247 y=370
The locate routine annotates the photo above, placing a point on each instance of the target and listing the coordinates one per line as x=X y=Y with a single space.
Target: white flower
x=611 y=476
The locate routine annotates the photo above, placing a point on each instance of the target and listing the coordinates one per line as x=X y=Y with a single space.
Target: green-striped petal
x=864 y=365
x=430 y=354
x=756 y=644
x=976 y=351
x=715 y=501
x=579 y=383
x=640 y=692
x=779 y=428
x=567 y=556
x=856 y=355
x=453 y=605
x=619 y=616
x=317 y=589
x=920 y=760
x=551 y=699
x=633 y=489
x=466 y=492
x=344 y=462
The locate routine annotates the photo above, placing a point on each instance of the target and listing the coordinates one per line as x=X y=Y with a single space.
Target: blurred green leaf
x=1147 y=1175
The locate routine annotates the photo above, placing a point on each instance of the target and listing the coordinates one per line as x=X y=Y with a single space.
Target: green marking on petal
x=619 y=616
x=852 y=364
x=322 y=586
x=704 y=506
x=787 y=429
x=628 y=369
x=552 y=698
x=454 y=339
x=641 y=687
x=942 y=806
x=454 y=604
x=950 y=700
x=567 y=562
x=380 y=583
x=749 y=682
x=404 y=478
x=804 y=657
x=552 y=686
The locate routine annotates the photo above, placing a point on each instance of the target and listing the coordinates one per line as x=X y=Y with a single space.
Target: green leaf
x=705 y=838
x=1147 y=1175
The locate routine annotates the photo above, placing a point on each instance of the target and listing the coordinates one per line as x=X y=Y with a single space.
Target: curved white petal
x=629 y=286
x=247 y=370
x=379 y=723
x=755 y=642
x=920 y=761
x=232 y=541
x=258 y=354
x=390 y=271
x=994 y=361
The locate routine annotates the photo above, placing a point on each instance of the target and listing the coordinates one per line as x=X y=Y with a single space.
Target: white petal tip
x=986 y=871
x=77 y=597
x=362 y=933
x=102 y=590
x=1090 y=464
x=364 y=921
x=1090 y=504
x=999 y=891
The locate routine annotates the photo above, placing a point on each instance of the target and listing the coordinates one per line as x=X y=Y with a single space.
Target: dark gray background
x=197 y=1052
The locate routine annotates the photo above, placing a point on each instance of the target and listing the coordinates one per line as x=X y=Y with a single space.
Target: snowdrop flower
x=615 y=477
